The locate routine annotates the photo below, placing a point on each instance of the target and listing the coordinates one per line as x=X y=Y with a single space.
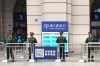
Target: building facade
x=76 y=12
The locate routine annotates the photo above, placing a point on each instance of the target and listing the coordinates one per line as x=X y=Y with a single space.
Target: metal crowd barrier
x=84 y=52
x=94 y=51
x=2 y=51
x=17 y=51
x=75 y=53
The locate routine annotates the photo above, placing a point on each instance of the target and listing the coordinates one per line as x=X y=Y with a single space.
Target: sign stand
x=31 y=60
x=81 y=61
x=58 y=60
x=4 y=61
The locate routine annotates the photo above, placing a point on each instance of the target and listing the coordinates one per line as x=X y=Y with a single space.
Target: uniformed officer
x=9 y=49
x=60 y=40
x=31 y=40
x=90 y=39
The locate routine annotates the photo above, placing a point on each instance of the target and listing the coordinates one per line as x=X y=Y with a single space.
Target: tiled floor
x=50 y=64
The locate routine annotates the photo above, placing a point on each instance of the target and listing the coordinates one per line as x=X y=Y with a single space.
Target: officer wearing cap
x=90 y=39
x=31 y=40
x=61 y=40
x=9 y=49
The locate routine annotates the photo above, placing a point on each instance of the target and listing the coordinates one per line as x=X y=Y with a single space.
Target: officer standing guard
x=9 y=49
x=31 y=40
x=90 y=39
x=61 y=40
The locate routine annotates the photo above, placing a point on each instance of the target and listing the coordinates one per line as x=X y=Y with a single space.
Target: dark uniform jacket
x=8 y=40
x=61 y=40
x=89 y=40
x=32 y=40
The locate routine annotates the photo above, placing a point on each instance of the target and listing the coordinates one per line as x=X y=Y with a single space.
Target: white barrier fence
x=2 y=51
x=76 y=52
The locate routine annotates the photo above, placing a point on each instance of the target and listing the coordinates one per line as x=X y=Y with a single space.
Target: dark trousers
x=89 y=53
x=30 y=50
x=10 y=53
x=62 y=54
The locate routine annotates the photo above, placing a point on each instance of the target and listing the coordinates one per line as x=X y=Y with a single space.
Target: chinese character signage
x=54 y=26
x=45 y=53
x=50 y=32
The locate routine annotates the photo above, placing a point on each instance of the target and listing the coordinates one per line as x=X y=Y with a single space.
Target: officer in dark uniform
x=60 y=40
x=31 y=40
x=90 y=39
x=9 y=49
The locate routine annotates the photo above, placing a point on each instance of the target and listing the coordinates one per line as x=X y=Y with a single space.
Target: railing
x=94 y=52
x=2 y=51
x=74 y=52
x=17 y=51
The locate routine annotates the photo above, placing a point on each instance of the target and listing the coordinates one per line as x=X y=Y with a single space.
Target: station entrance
x=95 y=18
x=20 y=20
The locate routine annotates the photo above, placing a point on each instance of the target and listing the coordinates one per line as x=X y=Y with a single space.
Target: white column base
x=81 y=61
x=58 y=60
x=22 y=57
x=4 y=61
x=31 y=60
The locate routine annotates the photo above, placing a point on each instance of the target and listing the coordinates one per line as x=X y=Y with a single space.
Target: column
x=34 y=18
x=80 y=20
x=1 y=28
x=54 y=10
x=69 y=18
x=7 y=17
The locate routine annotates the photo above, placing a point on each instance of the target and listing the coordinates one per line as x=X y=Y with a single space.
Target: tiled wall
x=34 y=19
x=6 y=11
x=80 y=20
x=1 y=30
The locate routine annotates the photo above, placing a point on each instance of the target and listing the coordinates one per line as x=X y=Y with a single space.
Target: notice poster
x=50 y=32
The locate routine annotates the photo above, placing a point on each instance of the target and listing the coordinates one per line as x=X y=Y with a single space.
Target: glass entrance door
x=96 y=33
x=20 y=28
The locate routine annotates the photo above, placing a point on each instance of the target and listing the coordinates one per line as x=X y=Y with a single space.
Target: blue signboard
x=54 y=26
x=20 y=17
x=50 y=32
x=95 y=16
x=45 y=53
